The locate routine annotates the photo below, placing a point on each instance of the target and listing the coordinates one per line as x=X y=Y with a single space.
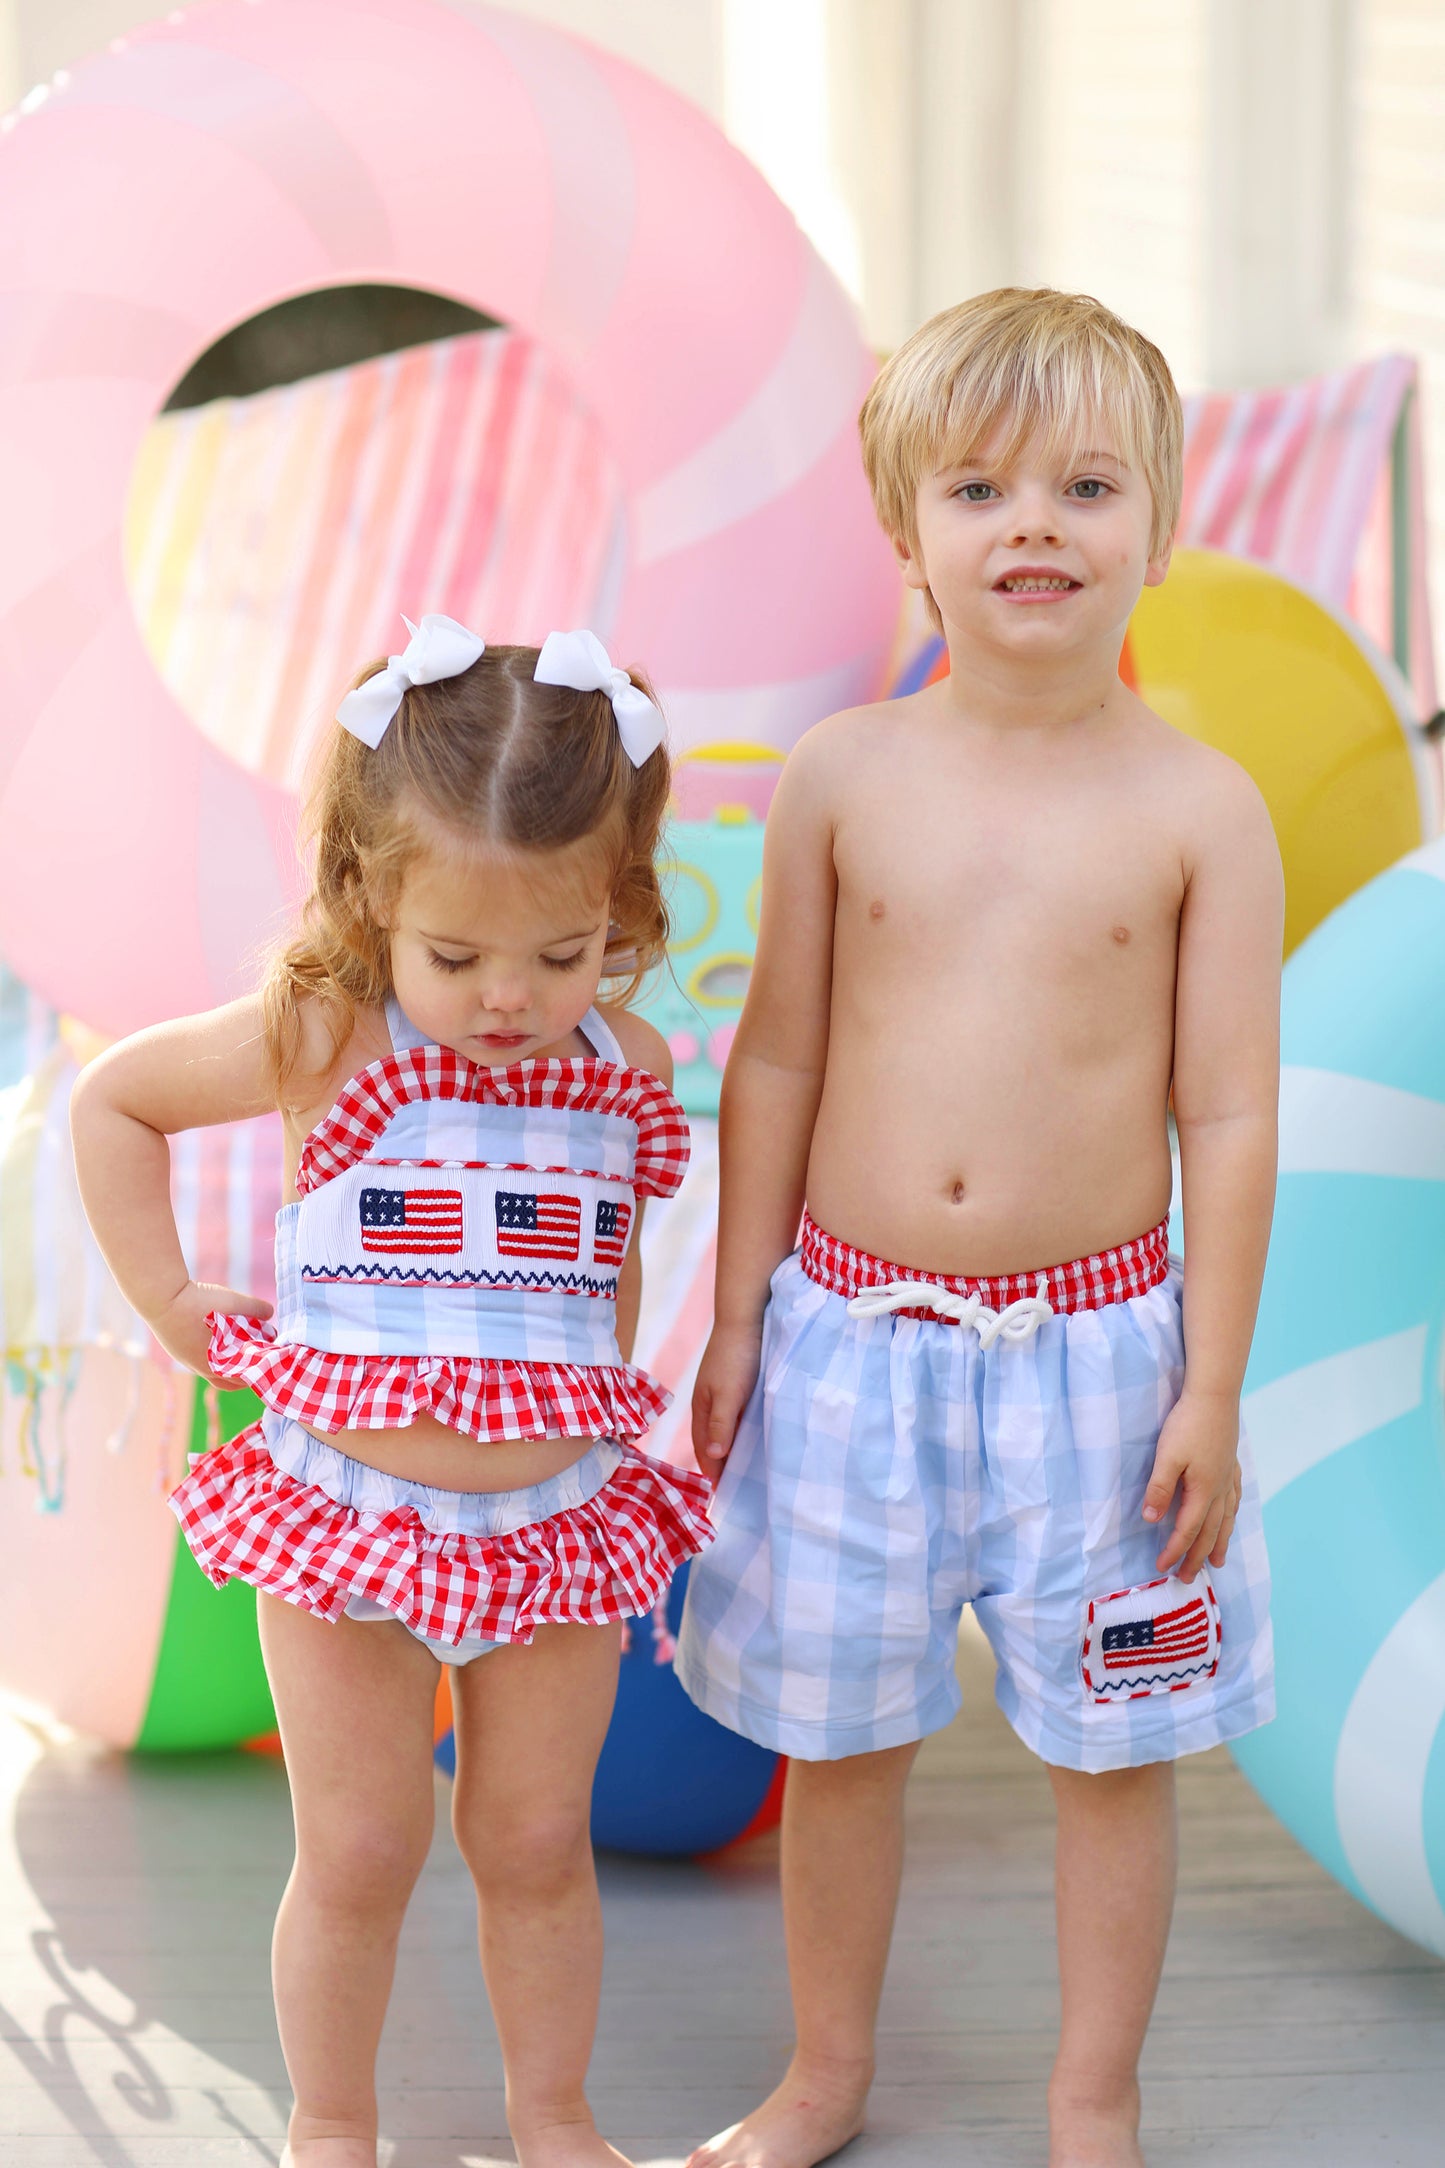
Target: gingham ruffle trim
x=1085 y=1283
x=490 y=1399
x=377 y=1093
x=608 y=1559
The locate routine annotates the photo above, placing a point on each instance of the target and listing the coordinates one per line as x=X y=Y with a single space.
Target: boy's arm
x=771 y=1088
x=1226 y=1099
x=126 y=1104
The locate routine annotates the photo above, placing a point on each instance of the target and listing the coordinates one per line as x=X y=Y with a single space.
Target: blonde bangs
x=1020 y=370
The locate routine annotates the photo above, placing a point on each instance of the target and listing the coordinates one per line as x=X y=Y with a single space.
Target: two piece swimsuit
x=454 y=1250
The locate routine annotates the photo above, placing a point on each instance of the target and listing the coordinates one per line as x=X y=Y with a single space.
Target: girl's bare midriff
x=426 y=1451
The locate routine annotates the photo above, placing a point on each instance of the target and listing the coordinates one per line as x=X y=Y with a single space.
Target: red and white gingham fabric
x=484 y=1398
x=379 y=1092
x=608 y=1559
x=1086 y=1283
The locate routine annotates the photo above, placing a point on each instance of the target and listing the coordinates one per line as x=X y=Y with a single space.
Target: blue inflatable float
x=1344 y=1402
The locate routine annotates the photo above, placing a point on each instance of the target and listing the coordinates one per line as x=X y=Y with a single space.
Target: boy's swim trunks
x=989 y=1443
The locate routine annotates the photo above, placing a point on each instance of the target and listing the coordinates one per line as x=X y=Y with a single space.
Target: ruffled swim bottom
x=462 y=1570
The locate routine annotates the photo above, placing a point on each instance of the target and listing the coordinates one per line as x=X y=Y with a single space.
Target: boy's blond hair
x=1027 y=366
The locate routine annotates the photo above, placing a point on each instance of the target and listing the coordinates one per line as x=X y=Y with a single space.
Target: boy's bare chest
x=1064 y=889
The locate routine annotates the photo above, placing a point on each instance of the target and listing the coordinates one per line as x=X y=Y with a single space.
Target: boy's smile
x=1039 y=553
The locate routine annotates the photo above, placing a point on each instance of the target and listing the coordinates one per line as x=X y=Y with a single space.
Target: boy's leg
x=1114 y=1880
x=842 y=1856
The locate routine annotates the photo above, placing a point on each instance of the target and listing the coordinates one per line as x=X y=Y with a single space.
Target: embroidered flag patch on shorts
x=1155 y=1639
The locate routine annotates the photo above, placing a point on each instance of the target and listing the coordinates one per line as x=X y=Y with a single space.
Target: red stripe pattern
x=609 y=1238
x=539 y=1224
x=608 y=1559
x=412 y=1222
x=1086 y=1283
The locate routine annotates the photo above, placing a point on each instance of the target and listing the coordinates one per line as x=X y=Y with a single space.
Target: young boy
x=1001 y=918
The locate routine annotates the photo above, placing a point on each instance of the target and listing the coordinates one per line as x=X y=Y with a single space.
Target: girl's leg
x=1114 y=1877
x=530 y=1724
x=354 y=1703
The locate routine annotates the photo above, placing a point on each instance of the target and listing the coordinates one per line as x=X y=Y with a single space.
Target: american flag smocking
x=1152 y=1640
x=545 y=1225
x=412 y=1222
x=609 y=1238
x=1167 y=1639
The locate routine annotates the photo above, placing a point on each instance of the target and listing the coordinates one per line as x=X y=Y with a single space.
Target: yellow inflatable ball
x=1245 y=660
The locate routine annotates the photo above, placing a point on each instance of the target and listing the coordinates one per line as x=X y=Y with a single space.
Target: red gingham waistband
x=1087 y=1283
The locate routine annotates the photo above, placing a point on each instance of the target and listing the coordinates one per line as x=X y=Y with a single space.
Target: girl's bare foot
x=811 y=2116
x=330 y=2153
x=567 y=2142
x=1095 y=2134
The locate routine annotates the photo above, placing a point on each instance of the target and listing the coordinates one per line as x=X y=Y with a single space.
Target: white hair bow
x=438 y=648
x=580 y=660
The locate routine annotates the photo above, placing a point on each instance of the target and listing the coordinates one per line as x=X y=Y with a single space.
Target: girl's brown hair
x=488 y=756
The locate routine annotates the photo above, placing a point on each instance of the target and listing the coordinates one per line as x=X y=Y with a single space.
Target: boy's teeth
x=1034 y=587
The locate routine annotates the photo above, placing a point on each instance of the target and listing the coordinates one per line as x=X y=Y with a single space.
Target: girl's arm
x=1226 y=1101
x=125 y=1106
x=645 y=1048
x=771 y=1088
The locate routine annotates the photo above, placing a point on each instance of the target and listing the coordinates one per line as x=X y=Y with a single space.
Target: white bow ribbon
x=580 y=660
x=1019 y=1321
x=438 y=648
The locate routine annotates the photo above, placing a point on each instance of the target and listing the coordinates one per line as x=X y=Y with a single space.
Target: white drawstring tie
x=1019 y=1321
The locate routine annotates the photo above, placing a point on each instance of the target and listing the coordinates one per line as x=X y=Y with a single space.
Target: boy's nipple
x=1120 y=933
x=875 y=908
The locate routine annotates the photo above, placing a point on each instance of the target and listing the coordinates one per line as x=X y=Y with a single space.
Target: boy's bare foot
x=810 y=2117
x=1092 y=2135
x=571 y=2143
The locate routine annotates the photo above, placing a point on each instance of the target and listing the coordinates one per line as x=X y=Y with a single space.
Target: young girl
x=446 y=1469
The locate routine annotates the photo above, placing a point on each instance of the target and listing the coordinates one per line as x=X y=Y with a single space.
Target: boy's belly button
x=956 y=1194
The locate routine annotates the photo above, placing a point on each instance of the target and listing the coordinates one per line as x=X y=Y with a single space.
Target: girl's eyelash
x=450 y=963
x=564 y=963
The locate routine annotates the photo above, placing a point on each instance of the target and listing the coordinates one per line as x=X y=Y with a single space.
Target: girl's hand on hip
x=725 y=1380
x=182 y=1329
x=1197 y=1456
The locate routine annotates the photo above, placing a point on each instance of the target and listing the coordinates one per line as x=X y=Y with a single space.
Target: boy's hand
x=725 y=1380
x=1198 y=1450
x=181 y=1326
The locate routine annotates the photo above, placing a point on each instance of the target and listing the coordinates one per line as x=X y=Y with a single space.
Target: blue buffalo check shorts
x=969 y=1442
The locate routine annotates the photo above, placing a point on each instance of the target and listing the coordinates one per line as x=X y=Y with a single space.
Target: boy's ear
x=909 y=563
x=1159 y=566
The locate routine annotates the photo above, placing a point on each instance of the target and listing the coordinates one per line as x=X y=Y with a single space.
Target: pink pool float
x=249 y=150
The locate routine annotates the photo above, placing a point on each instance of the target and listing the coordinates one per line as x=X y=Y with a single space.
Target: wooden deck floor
x=1293 y=2028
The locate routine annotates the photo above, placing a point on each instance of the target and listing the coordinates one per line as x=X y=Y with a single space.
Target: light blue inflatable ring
x=1343 y=1402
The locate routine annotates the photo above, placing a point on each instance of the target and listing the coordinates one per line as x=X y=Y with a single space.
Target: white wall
x=1398 y=230
x=1109 y=162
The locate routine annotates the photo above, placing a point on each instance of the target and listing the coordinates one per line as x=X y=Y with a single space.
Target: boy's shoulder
x=1214 y=799
x=833 y=748
x=1193 y=764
